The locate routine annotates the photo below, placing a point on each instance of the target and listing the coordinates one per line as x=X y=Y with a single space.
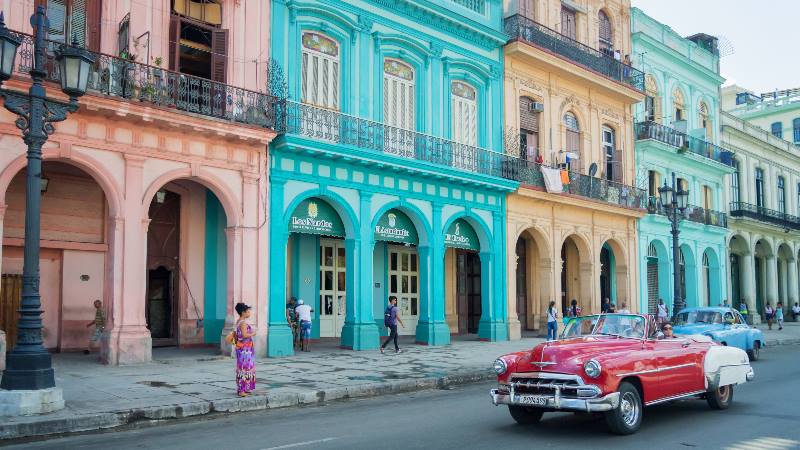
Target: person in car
x=667 y=330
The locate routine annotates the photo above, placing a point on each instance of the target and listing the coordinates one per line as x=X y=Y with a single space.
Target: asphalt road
x=765 y=416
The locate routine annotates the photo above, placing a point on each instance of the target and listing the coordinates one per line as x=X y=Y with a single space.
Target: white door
x=399 y=107
x=465 y=125
x=332 y=272
x=404 y=284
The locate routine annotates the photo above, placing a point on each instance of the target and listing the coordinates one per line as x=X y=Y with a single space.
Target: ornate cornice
x=478 y=34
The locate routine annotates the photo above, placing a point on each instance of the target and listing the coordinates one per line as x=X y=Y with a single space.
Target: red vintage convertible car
x=616 y=364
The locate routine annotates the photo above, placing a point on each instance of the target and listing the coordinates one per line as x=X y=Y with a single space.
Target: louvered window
x=568 y=22
x=677 y=102
x=777 y=129
x=652 y=99
x=613 y=162
x=77 y=20
x=606 y=37
x=705 y=121
x=528 y=129
x=399 y=106
x=465 y=125
x=573 y=142
x=320 y=71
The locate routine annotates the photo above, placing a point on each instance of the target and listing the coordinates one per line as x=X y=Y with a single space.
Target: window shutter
x=77 y=22
x=219 y=55
x=174 y=43
x=528 y=120
x=605 y=27
x=94 y=13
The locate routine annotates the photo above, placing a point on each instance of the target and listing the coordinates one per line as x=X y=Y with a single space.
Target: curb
x=80 y=423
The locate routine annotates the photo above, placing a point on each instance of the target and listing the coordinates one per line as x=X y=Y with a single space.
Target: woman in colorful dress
x=245 y=357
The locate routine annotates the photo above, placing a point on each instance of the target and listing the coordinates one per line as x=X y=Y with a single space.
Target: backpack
x=387 y=317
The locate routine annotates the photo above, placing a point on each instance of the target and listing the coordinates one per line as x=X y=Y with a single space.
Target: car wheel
x=627 y=417
x=720 y=398
x=525 y=415
x=753 y=354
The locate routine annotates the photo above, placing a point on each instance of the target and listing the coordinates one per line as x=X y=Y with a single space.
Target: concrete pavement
x=184 y=383
x=763 y=416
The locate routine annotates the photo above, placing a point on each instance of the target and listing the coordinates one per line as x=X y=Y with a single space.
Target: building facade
x=152 y=193
x=777 y=112
x=765 y=217
x=677 y=131
x=569 y=92
x=388 y=178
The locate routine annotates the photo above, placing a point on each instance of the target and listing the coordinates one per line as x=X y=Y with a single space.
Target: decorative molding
x=365 y=23
x=436 y=49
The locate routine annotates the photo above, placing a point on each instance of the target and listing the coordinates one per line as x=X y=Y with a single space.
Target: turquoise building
x=677 y=131
x=387 y=179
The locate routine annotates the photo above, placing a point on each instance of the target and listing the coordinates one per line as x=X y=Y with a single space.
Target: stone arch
x=711 y=278
x=228 y=199
x=661 y=272
x=618 y=272
x=534 y=276
x=83 y=162
x=413 y=212
x=691 y=292
x=338 y=203
x=575 y=278
x=477 y=223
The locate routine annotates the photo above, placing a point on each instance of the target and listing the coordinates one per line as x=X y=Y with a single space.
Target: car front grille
x=548 y=384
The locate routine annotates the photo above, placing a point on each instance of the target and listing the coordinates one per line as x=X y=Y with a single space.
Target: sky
x=763 y=36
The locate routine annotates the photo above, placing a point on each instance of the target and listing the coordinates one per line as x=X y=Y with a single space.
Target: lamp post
x=28 y=365
x=674 y=198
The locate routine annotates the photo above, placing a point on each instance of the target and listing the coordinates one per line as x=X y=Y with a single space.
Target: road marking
x=300 y=444
x=766 y=443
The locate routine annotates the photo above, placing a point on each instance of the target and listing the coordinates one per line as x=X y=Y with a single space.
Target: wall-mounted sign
x=316 y=216
x=461 y=235
x=394 y=226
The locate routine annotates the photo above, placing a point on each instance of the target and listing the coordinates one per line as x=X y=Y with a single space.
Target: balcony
x=327 y=125
x=693 y=213
x=599 y=189
x=766 y=215
x=683 y=142
x=521 y=28
x=154 y=86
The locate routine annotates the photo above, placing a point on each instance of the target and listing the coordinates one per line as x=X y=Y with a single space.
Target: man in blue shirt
x=390 y=319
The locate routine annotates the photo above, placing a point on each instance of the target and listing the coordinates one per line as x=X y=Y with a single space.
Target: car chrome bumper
x=558 y=403
x=750 y=374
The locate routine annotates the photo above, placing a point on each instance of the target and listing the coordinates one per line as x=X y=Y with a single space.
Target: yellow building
x=570 y=88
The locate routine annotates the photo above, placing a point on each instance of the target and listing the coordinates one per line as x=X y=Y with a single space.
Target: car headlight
x=500 y=366
x=592 y=368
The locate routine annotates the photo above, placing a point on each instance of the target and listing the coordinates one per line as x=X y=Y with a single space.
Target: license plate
x=535 y=400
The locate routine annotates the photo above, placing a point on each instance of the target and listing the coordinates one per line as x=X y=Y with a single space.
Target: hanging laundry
x=552 y=180
x=564 y=177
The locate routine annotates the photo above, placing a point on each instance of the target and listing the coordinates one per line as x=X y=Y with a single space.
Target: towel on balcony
x=552 y=180
x=564 y=177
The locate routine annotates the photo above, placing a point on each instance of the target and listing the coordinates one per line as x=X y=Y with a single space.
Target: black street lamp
x=674 y=199
x=28 y=365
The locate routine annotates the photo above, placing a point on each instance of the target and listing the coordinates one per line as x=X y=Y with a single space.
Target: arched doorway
x=76 y=256
x=687 y=267
x=533 y=279
x=762 y=255
x=318 y=262
x=575 y=274
x=187 y=275
x=522 y=282
x=740 y=274
x=400 y=269
x=711 y=279
x=463 y=247
x=659 y=272
x=784 y=260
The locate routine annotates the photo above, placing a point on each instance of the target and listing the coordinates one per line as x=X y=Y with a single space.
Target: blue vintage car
x=723 y=325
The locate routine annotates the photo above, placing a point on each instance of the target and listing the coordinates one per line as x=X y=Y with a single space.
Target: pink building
x=154 y=197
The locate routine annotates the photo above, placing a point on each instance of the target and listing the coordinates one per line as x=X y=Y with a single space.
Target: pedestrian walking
x=779 y=315
x=769 y=314
x=390 y=320
x=663 y=313
x=291 y=319
x=303 y=312
x=552 y=321
x=743 y=310
x=242 y=339
x=606 y=306
x=795 y=311
x=99 y=324
x=612 y=308
x=623 y=308
x=574 y=310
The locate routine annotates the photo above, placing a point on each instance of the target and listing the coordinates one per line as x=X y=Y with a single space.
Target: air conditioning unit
x=537 y=107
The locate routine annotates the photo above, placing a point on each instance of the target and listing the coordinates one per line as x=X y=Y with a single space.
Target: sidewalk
x=191 y=382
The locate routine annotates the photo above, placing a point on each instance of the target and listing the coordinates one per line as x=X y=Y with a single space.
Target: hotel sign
x=461 y=235
x=316 y=216
x=395 y=226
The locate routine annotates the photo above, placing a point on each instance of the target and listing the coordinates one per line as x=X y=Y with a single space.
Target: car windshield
x=690 y=317
x=622 y=325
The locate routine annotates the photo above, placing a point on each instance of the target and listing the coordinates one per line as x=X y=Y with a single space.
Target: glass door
x=332 y=275
x=404 y=284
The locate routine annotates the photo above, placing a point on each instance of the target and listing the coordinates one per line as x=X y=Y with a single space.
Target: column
x=792 y=276
x=279 y=335
x=512 y=263
x=233 y=240
x=748 y=281
x=247 y=272
x=772 y=280
x=432 y=327
x=492 y=326
x=360 y=331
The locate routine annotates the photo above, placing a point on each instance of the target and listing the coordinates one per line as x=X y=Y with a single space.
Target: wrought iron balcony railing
x=519 y=27
x=683 y=142
x=692 y=213
x=530 y=173
x=771 y=216
x=155 y=86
